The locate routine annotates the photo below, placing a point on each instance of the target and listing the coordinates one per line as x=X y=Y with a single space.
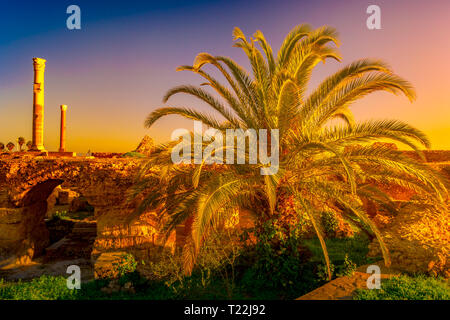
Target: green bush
x=281 y=261
x=407 y=288
x=322 y=271
x=348 y=268
x=43 y=288
x=127 y=264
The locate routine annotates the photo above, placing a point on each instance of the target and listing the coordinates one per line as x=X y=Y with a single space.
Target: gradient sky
x=116 y=69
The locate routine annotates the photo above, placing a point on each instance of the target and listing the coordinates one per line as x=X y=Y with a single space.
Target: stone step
x=85 y=225
x=77 y=244
x=84 y=230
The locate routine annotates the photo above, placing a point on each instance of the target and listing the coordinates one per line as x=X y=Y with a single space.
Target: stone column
x=38 y=105
x=62 y=134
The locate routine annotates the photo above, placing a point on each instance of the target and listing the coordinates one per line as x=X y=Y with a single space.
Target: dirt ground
x=54 y=268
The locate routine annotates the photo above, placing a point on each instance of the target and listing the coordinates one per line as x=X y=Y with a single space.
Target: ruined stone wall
x=418 y=236
x=26 y=183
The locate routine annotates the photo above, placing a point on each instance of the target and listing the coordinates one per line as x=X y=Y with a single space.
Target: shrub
x=405 y=287
x=348 y=268
x=281 y=260
x=168 y=270
x=43 y=288
x=219 y=256
x=322 y=273
x=126 y=264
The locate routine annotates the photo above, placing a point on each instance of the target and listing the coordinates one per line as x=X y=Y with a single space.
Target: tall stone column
x=62 y=134
x=38 y=105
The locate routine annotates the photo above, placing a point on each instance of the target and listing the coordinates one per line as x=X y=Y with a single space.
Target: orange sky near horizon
x=116 y=71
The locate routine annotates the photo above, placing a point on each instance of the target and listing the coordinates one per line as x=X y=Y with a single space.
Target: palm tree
x=10 y=146
x=20 y=142
x=320 y=166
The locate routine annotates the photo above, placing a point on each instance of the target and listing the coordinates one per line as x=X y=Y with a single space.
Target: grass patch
x=356 y=248
x=208 y=282
x=43 y=288
x=405 y=287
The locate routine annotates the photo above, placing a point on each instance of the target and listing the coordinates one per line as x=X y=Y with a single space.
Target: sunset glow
x=116 y=69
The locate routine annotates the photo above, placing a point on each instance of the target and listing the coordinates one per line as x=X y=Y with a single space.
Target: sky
x=115 y=70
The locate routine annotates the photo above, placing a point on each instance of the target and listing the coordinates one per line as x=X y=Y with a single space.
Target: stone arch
x=26 y=182
x=25 y=233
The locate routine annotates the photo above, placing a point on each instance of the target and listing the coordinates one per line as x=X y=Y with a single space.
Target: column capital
x=39 y=63
x=63 y=107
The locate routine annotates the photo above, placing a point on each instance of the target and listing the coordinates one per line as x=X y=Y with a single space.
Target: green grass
x=54 y=288
x=248 y=283
x=43 y=288
x=405 y=287
x=356 y=248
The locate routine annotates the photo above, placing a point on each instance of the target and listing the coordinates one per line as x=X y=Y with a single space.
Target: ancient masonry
x=38 y=114
x=38 y=105
x=62 y=135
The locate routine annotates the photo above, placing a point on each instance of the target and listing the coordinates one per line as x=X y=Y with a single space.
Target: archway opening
x=71 y=224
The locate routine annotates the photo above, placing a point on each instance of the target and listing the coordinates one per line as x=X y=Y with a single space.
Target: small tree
x=2 y=146
x=10 y=146
x=21 y=142
x=29 y=144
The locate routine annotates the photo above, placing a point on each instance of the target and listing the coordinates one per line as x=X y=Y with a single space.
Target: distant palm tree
x=319 y=164
x=21 y=142
x=10 y=146
x=2 y=146
x=29 y=144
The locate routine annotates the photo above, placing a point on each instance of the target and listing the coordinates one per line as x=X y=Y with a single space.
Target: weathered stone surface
x=106 y=155
x=146 y=146
x=27 y=183
x=66 y=196
x=23 y=234
x=104 y=264
x=78 y=204
x=418 y=239
x=77 y=243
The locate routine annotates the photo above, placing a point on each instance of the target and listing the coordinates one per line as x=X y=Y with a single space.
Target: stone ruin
x=27 y=185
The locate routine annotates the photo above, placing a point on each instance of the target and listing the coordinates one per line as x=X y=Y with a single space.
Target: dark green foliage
x=43 y=288
x=280 y=262
x=125 y=266
x=348 y=268
x=356 y=248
